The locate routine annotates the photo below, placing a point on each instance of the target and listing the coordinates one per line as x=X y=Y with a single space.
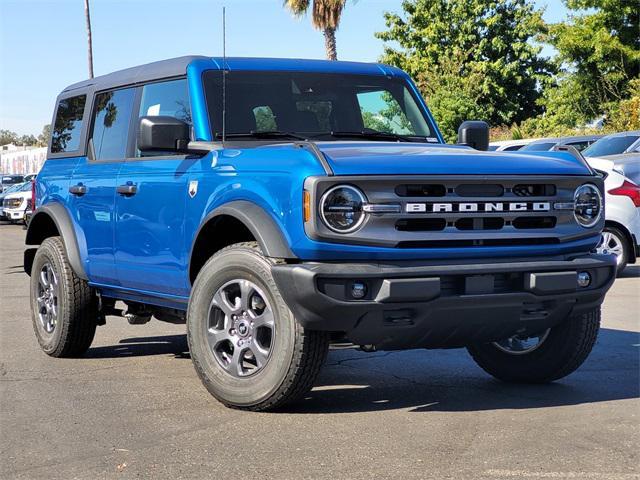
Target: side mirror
x=475 y=134
x=163 y=134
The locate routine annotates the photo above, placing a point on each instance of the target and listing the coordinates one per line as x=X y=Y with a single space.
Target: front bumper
x=441 y=305
x=12 y=214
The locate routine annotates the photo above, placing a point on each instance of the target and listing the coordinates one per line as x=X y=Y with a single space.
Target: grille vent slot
x=488 y=223
x=479 y=190
x=421 y=190
x=523 y=223
x=534 y=190
x=421 y=224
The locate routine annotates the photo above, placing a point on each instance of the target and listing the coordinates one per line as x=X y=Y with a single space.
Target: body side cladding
x=39 y=230
x=262 y=227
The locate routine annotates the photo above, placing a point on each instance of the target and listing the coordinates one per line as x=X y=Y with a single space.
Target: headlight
x=588 y=205
x=12 y=202
x=341 y=208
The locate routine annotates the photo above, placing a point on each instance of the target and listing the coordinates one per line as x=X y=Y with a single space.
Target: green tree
x=598 y=56
x=43 y=138
x=325 y=16
x=471 y=59
x=28 y=140
x=7 y=136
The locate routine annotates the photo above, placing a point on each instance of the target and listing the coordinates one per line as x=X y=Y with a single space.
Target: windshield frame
x=212 y=98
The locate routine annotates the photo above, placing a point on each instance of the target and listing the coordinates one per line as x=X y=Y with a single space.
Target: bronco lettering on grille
x=477 y=207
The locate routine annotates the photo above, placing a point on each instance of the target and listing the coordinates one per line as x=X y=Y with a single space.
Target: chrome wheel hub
x=240 y=328
x=47 y=298
x=521 y=344
x=611 y=244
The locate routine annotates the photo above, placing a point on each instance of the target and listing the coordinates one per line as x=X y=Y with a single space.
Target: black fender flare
x=264 y=229
x=58 y=213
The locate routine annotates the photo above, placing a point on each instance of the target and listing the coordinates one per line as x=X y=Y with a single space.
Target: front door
x=152 y=191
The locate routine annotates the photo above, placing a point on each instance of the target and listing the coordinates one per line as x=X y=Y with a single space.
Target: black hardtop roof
x=175 y=67
x=142 y=73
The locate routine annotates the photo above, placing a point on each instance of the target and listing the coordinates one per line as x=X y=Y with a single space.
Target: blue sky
x=43 y=42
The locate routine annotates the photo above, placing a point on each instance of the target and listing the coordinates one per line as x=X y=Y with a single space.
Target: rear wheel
x=547 y=356
x=64 y=309
x=245 y=344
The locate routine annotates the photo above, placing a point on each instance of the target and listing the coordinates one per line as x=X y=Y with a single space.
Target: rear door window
x=65 y=136
x=110 y=126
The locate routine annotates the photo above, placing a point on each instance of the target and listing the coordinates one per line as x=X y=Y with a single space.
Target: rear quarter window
x=67 y=127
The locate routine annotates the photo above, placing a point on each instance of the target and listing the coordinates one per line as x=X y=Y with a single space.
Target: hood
x=392 y=158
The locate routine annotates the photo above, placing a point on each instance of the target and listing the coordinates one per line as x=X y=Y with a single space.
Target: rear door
x=93 y=186
x=149 y=238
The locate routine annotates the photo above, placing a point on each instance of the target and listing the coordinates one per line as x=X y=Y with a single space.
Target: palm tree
x=87 y=17
x=325 y=16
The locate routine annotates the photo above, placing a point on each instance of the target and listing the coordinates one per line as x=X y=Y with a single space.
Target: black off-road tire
x=565 y=348
x=77 y=304
x=296 y=356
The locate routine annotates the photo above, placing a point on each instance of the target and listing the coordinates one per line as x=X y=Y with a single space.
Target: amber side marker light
x=306 y=205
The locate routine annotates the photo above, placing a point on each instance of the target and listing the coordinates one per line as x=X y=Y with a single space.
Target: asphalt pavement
x=134 y=407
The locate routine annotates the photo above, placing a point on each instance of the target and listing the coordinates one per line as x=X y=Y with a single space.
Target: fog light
x=584 y=279
x=358 y=290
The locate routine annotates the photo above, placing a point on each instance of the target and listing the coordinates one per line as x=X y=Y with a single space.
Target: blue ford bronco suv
x=276 y=206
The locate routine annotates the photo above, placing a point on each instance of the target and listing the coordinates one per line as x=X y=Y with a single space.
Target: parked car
x=621 y=235
x=628 y=164
x=614 y=144
x=545 y=144
x=9 y=180
x=301 y=217
x=510 y=145
x=15 y=204
x=10 y=189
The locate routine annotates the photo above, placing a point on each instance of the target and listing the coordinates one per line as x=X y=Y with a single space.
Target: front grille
x=458 y=211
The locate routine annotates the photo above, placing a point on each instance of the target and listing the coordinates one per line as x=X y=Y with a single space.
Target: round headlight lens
x=588 y=205
x=341 y=208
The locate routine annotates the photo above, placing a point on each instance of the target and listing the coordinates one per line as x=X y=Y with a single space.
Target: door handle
x=127 y=190
x=78 y=190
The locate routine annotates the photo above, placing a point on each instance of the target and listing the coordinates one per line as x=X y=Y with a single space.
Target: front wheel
x=246 y=346
x=614 y=242
x=547 y=356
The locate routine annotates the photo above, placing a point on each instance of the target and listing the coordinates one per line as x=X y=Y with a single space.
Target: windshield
x=316 y=106
x=12 y=179
x=610 y=146
x=538 y=147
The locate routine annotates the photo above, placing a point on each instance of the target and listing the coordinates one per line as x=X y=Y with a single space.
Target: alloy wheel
x=240 y=328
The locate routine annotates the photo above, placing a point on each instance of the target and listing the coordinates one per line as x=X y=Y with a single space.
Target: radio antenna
x=224 y=74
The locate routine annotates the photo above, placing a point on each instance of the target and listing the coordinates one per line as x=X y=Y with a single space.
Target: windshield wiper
x=373 y=134
x=266 y=135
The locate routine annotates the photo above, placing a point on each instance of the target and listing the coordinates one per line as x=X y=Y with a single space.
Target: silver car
x=579 y=142
x=615 y=144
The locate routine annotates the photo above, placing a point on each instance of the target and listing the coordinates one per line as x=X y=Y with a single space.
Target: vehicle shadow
x=143 y=346
x=435 y=380
x=449 y=381
x=632 y=271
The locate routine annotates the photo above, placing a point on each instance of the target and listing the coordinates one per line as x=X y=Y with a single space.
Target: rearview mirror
x=163 y=134
x=475 y=134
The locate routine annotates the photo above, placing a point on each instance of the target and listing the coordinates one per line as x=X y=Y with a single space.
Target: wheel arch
x=627 y=236
x=234 y=222
x=49 y=221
